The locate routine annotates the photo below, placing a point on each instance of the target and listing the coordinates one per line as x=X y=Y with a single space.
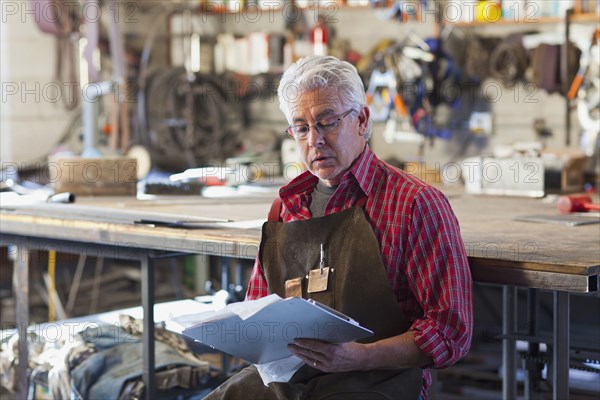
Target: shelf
x=210 y=7
x=588 y=17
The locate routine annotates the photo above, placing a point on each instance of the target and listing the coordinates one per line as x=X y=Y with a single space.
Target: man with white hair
x=395 y=259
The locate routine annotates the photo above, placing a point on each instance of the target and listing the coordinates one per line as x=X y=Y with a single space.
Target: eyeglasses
x=324 y=126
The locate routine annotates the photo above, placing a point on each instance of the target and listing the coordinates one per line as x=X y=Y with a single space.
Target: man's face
x=329 y=155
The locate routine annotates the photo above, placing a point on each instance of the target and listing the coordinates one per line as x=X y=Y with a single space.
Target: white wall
x=5 y=142
x=32 y=120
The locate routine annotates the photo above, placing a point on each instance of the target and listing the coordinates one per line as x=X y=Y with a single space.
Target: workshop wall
x=513 y=109
x=36 y=118
x=33 y=117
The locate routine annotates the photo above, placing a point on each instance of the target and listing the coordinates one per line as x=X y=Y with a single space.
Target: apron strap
x=275 y=210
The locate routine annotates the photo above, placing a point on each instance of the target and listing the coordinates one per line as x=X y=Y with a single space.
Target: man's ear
x=363 y=119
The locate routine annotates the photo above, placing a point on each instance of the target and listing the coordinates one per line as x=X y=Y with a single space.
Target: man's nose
x=315 y=138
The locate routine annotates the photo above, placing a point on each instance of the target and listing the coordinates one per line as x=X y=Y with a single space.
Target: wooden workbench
x=501 y=249
x=504 y=250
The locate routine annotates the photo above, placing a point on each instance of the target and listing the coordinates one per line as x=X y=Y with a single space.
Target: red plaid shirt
x=422 y=250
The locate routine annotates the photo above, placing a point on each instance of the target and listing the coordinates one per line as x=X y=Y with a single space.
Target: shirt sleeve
x=439 y=277
x=257 y=286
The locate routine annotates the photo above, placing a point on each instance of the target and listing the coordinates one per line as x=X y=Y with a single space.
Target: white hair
x=322 y=72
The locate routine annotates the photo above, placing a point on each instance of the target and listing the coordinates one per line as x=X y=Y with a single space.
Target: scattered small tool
x=576 y=203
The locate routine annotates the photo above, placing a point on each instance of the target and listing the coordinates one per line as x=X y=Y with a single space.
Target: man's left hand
x=329 y=357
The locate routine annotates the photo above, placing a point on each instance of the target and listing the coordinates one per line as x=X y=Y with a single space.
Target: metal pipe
x=90 y=100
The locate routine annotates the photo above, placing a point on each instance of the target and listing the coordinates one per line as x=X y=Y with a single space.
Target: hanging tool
x=583 y=67
x=386 y=80
x=120 y=110
x=383 y=83
x=54 y=17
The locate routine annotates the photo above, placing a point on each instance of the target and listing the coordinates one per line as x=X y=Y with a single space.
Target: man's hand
x=394 y=352
x=329 y=357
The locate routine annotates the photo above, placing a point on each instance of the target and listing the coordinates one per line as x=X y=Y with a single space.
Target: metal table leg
x=509 y=361
x=21 y=288
x=533 y=367
x=148 y=358
x=560 y=356
x=21 y=285
x=225 y=279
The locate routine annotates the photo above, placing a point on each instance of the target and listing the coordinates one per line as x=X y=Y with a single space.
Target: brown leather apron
x=357 y=286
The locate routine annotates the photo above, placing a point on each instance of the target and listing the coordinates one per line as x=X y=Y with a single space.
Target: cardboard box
x=102 y=176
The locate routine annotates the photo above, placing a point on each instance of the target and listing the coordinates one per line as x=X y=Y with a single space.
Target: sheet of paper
x=260 y=330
